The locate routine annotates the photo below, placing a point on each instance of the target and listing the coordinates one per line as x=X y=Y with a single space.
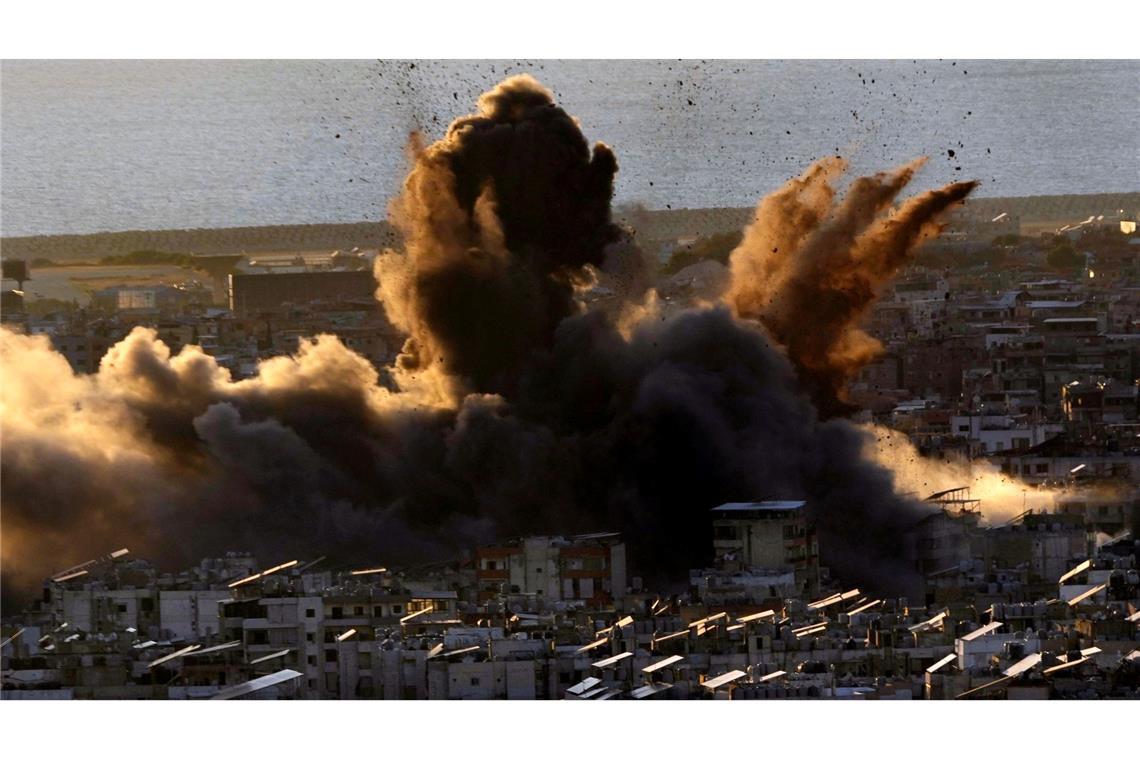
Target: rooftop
x=753 y=506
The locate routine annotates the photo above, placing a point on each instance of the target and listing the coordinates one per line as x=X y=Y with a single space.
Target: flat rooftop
x=759 y=506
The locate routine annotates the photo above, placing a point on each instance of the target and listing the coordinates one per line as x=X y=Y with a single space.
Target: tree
x=1064 y=257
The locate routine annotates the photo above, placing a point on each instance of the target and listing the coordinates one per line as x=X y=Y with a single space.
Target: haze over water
x=96 y=146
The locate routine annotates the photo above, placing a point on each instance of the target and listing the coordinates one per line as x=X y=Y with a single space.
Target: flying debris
x=516 y=405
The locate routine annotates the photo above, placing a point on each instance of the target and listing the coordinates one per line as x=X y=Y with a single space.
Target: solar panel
x=649 y=690
x=942 y=663
x=659 y=639
x=984 y=630
x=346 y=635
x=865 y=607
x=257 y=684
x=1090 y=651
x=772 y=676
x=983 y=687
x=12 y=638
x=1075 y=571
x=1087 y=594
x=592 y=645
x=726 y=678
x=218 y=648
x=173 y=656
x=69 y=576
x=825 y=602
x=583 y=686
x=756 y=616
x=662 y=664
x=263 y=573
x=594 y=692
x=1022 y=665
x=1064 y=666
x=808 y=630
x=464 y=650
x=406 y=618
x=612 y=660
x=925 y=624
x=273 y=656
x=707 y=620
x=370 y=571
x=1134 y=617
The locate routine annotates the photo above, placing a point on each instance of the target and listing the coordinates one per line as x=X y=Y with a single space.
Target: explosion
x=516 y=408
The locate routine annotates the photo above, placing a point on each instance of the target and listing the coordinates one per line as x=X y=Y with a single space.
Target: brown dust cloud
x=513 y=407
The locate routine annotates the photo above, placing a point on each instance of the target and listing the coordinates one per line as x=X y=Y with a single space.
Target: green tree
x=1064 y=257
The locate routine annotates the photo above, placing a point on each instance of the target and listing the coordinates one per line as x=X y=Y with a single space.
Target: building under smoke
x=513 y=408
x=254 y=293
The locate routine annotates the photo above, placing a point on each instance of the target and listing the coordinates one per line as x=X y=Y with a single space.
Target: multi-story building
x=586 y=568
x=770 y=535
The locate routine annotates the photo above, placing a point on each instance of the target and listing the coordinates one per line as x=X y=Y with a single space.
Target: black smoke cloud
x=517 y=410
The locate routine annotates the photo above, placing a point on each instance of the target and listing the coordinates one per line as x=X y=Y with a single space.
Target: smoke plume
x=517 y=408
x=808 y=269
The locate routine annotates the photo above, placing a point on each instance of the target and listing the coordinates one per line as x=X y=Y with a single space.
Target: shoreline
x=651 y=224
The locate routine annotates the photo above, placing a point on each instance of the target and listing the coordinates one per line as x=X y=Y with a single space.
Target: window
x=474 y=681
x=358 y=611
x=330 y=655
x=397 y=609
x=377 y=611
x=312 y=659
x=310 y=637
x=310 y=613
x=337 y=613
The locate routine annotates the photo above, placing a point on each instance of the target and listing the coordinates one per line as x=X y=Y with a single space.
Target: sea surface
x=89 y=146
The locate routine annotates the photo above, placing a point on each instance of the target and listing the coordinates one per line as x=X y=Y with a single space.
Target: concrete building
x=767 y=534
x=587 y=568
x=266 y=292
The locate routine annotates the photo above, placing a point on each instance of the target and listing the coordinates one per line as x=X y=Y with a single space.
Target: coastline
x=653 y=225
